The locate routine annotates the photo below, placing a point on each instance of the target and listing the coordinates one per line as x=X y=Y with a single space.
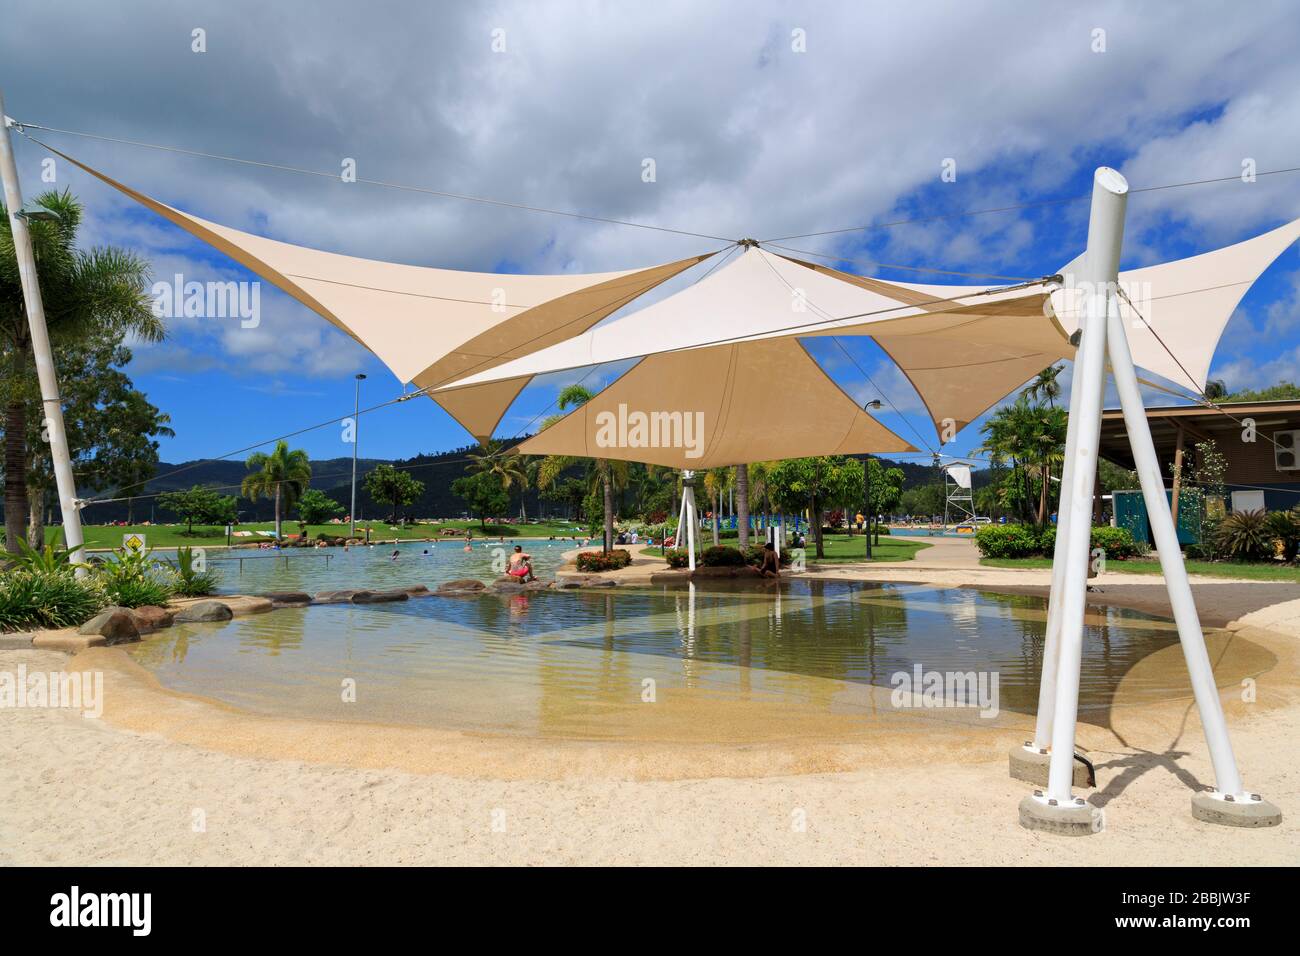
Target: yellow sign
x=133 y=542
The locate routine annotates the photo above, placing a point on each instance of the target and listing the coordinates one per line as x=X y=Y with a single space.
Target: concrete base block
x=1031 y=766
x=1075 y=819
x=1213 y=808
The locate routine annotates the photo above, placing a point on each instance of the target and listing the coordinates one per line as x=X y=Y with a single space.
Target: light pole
x=866 y=480
x=356 y=426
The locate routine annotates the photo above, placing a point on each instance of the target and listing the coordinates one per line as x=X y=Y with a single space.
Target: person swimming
x=520 y=565
x=394 y=555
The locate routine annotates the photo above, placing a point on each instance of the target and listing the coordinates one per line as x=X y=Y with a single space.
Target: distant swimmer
x=393 y=556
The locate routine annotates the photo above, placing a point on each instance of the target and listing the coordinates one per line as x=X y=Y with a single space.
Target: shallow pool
x=248 y=571
x=583 y=664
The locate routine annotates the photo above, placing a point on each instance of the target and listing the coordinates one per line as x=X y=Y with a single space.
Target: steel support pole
x=51 y=405
x=1098 y=280
x=356 y=440
x=1171 y=562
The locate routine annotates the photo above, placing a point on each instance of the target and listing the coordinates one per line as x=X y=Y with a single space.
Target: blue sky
x=750 y=136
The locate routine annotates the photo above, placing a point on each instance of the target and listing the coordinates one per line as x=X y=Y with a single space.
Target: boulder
x=204 y=611
x=335 y=597
x=16 y=641
x=379 y=597
x=150 y=618
x=741 y=571
x=115 y=625
x=461 y=585
x=288 y=598
x=416 y=590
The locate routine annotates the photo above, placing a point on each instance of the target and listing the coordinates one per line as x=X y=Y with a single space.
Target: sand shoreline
x=128 y=788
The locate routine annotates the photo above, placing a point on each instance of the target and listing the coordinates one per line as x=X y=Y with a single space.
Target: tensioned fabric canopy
x=726 y=348
x=427 y=325
x=963 y=348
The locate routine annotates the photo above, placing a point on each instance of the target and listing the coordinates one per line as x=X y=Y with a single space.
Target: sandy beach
x=165 y=778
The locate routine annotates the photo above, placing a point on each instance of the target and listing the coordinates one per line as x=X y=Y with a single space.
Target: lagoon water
x=584 y=664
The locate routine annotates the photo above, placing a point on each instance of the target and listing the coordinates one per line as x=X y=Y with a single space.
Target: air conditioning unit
x=1286 y=450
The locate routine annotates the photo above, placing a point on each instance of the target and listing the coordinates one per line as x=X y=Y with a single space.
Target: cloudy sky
x=762 y=118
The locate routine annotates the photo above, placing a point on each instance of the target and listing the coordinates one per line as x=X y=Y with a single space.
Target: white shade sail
x=427 y=325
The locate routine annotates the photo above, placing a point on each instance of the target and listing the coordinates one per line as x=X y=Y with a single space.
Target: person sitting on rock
x=771 y=565
x=520 y=565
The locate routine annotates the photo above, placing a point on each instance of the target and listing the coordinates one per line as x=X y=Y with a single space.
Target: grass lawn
x=841 y=549
x=170 y=536
x=1222 y=569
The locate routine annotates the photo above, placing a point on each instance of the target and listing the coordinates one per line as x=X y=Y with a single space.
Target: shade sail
x=427 y=325
x=957 y=344
x=1186 y=304
x=723 y=405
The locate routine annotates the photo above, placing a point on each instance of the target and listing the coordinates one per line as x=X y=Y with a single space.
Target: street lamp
x=873 y=405
x=356 y=425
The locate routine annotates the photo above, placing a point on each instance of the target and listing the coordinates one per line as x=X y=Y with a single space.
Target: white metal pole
x=1161 y=518
x=1098 y=278
x=356 y=440
x=690 y=526
x=52 y=406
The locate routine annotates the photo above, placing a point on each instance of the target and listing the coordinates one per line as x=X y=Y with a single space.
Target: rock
x=150 y=618
x=288 y=598
x=537 y=586
x=204 y=611
x=335 y=597
x=584 y=581
x=416 y=590
x=566 y=584
x=506 y=585
x=461 y=586
x=379 y=597
x=115 y=624
x=740 y=571
x=15 y=641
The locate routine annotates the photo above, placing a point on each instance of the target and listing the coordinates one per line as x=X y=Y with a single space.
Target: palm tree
x=283 y=475
x=717 y=481
x=85 y=291
x=1045 y=385
x=742 y=504
x=505 y=464
x=608 y=473
x=1032 y=438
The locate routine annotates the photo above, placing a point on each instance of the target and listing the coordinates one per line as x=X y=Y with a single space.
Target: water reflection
x=577 y=662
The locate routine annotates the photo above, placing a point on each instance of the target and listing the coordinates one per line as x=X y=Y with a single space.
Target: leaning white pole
x=50 y=403
x=1056 y=810
x=1171 y=564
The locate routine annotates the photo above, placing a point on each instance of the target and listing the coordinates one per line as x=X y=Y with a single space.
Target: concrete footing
x=1031 y=765
x=1248 y=810
x=1072 y=819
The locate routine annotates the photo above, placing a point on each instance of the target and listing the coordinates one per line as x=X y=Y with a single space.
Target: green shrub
x=49 y=559
x=722 y=556
x=676 y=558
x=46 y=599
x=1117 y=543
x=1006 y=541
x=189 y=580
x=1246 y=536
x=599 y=561
x=1285 y=526
x=133 y=579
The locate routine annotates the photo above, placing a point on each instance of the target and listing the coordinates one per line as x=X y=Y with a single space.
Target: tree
x=1045 y=385
x=886 y=486
x=1032 y=438
x=398 y=488
x=199 y=504
x=812 y=483
x=316 y=507
x=609 y=474
x=282 y=476
x=84 y=291
x=482 y=494
x=742 y=505
x=112 y=428
x=504 y=465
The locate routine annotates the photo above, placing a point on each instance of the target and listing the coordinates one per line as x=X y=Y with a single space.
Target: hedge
x=1021 y=541
x=599 y=561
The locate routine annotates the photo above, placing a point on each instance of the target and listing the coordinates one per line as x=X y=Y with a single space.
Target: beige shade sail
x=958 y=345
x=716 y=406
x=427 y=325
